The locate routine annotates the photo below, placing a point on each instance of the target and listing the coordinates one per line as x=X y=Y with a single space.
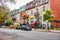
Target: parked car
x=26 y=27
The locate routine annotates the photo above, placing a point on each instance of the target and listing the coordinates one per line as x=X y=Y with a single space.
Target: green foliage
x=6 y=15
x=9 y=22
x=47 y=15
x=17 y=27
x=50 y=20
x=3 y=15
x=52 y=26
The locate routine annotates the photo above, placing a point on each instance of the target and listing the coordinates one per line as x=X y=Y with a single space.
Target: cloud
x=18 y=4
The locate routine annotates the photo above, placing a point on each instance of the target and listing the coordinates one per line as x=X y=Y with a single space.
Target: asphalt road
x=28 y=35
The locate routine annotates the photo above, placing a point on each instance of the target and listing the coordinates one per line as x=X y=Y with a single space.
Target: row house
x=55 y=7
x=36 y=8
x=30 y=12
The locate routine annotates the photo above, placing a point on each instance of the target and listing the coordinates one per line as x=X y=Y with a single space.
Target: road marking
x=50 y=33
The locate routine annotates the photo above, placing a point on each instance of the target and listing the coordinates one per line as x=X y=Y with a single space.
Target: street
x=10 y=34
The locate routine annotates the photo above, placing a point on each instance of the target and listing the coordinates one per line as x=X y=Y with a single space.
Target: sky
x=18 y=4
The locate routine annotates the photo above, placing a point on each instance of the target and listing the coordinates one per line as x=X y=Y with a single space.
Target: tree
x=3 y=14
x=48 y=16
x=1 y=17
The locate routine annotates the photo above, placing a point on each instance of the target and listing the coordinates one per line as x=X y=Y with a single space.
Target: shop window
x=38 y=2
x=31 y=12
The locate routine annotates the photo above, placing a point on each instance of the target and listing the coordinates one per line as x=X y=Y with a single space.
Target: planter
x=12 y=27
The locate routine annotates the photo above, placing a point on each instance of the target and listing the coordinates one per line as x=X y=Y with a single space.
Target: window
x=29 y=12
x=43 y=8
x=43 y=0
x=28 y=5
x=32 y=19
x=38 y=2
x=34 y=11
x=37 y=10
x=31 y=5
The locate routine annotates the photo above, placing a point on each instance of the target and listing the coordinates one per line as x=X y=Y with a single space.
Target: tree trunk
x=48 y=25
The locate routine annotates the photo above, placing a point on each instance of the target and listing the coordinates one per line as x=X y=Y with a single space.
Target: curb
x=40 y=30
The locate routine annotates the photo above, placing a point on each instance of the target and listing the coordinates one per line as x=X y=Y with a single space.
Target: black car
x=26 y=27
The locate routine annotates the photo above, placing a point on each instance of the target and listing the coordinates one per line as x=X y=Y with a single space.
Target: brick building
x=55 y=7
x=22 y=14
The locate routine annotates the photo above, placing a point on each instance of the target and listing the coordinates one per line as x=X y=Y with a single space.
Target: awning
x=31 y=16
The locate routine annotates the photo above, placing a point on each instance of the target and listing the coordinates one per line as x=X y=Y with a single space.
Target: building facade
x=29 y=11
x=55 y=7
x=22 y=17
x=36 y=8
x=22 y=14
x=15 y=15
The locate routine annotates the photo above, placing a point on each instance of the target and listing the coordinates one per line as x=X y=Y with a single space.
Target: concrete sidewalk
x=57 y=31
x=41 y=30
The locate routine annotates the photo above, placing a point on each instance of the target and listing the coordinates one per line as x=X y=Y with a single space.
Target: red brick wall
x=21 y=15
x=55 y=7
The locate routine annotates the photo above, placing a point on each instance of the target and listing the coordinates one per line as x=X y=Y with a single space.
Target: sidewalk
x=41 y=30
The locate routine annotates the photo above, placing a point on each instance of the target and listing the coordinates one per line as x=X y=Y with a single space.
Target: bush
x=17 y=27
x=52 y=26
x=9 y=22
